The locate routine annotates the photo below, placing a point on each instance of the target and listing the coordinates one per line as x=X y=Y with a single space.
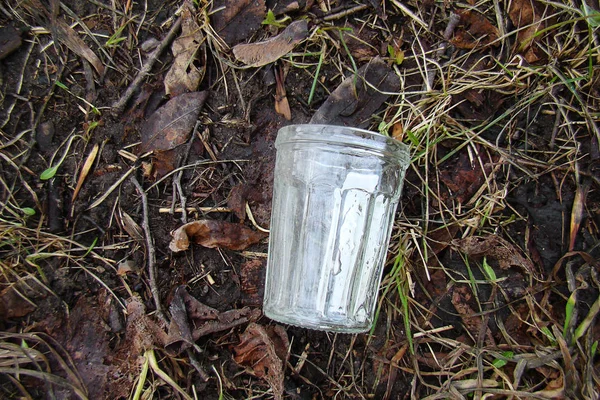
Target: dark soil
x=88 y=322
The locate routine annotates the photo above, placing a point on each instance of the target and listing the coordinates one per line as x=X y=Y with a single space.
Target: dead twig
x=119 y=105
x=151 y=252
x=177 y=189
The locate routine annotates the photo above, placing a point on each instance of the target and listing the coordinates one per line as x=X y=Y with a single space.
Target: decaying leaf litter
x=122 y=124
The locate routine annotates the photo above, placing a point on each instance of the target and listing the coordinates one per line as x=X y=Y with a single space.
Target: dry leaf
x=398 y=131
x=85 y=170
x=236 y=20
x=265 y=352
x=492 y=246
x=184 y=75
x=171 y=124
x=65 y=34
x=577 y=212
x=212 y=234
x=282 y=106
x=190 y=320
x=263 y=53
x=357 y=98
x=131 y=227
x=474 y=31
x=126 y=267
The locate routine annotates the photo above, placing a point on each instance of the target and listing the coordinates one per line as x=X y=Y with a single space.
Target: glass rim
x=343 y=135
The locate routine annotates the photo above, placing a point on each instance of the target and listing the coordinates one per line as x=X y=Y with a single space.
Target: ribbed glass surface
x=333 y=208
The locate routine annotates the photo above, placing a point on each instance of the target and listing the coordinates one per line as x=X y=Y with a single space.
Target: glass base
x=318 y=323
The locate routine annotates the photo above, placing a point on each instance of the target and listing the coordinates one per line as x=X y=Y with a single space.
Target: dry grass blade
x=33 y=356
x=85 y=170
x=491 y=289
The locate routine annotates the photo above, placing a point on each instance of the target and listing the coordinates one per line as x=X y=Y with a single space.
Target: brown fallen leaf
x=142 y=332
x=577 y=212
x=130 y=226
x=235 y=20
x=526 y=15
x=492 y=246
x=282 y=106
x=126 y=267
x=184 y=75
x=462 y=296
x=462 y=177
x=362 y=43
x=271 y=50
x=66 y=35
x=355 y=100
x=10 y=40
x=212 y=234
x=61 y=31
x=252 y=282
x=474 y=30
x=171 y=124
x=242 y=193
x=14 y=304
x=190 y=320
x=264 y=351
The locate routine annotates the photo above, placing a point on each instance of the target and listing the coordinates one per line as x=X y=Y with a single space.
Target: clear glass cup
x=335 y=196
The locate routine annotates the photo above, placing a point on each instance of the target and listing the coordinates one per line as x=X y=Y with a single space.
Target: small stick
x=177 y=189
x=151 y=252
x=196 y=364
x=164 y=210
x=119 y=105
x=345 y=13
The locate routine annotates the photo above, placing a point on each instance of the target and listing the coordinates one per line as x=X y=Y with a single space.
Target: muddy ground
x=76 y=271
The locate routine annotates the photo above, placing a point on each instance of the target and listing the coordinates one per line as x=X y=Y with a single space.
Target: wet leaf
x=184 y=75
x=13 y=304
x=236 y=20
x=462 y=299
x=492 y=246
x=10 y=40
x=142 y=332
x=264 y=351
x=474 y=31
x=526 y=15
x=171 y=124
x=364 y=46
x=191 y=320
x=212 y=234
x=242 y=193
x=163 y=162
x=464 y=177
x=355 y=100
x=252 y=281
x=263 y=53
